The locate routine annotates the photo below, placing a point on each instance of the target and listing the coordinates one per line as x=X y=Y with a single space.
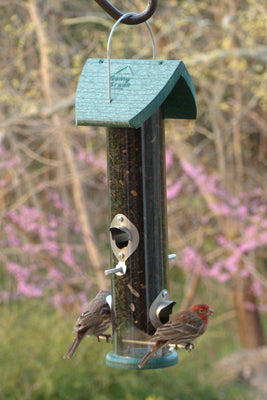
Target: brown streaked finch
x=94 y=321
x=182 y=328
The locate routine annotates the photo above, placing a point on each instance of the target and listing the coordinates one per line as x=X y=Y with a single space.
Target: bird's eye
x=201 y=311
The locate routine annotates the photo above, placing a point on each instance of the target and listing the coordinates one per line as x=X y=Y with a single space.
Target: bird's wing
x=177 y=332
x=105 y=309
x=86 y=320
x=91 y=317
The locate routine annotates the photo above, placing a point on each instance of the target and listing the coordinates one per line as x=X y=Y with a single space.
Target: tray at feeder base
x=124 y=362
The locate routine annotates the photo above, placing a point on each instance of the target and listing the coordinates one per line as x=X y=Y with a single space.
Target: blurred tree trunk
x=248 y=317
x=44 y=46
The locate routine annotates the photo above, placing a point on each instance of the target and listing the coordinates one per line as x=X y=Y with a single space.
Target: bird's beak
x=210 y=311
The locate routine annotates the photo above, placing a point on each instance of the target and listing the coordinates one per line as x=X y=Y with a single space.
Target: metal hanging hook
x=109 y=44
x=132 y=19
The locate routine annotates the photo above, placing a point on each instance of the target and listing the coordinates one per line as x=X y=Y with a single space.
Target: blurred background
x=54 y=204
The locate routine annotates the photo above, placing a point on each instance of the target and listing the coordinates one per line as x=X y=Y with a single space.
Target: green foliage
x=34 y=338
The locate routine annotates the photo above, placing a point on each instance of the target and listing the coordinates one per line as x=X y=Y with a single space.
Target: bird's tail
x=73 y=347
x=146 y=358
x=149 y=354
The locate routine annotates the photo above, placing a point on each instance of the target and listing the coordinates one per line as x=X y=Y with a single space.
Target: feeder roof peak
x=138 y=89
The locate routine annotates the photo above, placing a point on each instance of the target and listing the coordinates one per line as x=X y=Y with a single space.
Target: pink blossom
x=68 y=256
x=18 y=271
x=58 y=299
x=189 y=257
x=32 y=248
x=81 y=155
x=30 y=213
x=58 y=203
x=3 y=151
x=90 y=159
x=101 y=161
x=250 y=306
x=12 y=215
x=51 y=247
x=4 y=295
x=262 y=308
x=232 y=263
x=191 y=170
x=204 y=219
x=174 y=189
x=29 y=290
x=244 y=273
x=257 y=192
x=215 y=271
x=222 y=241
x=242 y=211
x=256 y=219
x=84 y=156
x=45 y=232
x=257 y=288
x=220 y=208
x=248 y=210
x=263 y=238
x=223 y=277
x=249 y=245
x=233 y=201
x=88 y=284
x=26 y=217
x=232 y=267
x=42 y=186
x=169 y=158
x=77 y=228
x=251 y=231
x=212 y=185
x=53 y=223
x=55 y=274
x=83 y=299
x=13 y=240
x=191 y=260
x=262 y=208
x=13 y=162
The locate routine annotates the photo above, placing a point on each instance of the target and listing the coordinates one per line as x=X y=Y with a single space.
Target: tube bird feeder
x=143 y=93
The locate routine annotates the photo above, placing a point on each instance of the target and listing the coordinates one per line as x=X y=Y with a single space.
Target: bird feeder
x=132 y=98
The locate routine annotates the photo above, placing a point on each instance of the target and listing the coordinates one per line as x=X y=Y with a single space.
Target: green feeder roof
x=138 y=89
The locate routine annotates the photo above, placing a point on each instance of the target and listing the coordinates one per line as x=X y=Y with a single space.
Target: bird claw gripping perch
x=189 y=347
x=107 y=338
x=186 y=346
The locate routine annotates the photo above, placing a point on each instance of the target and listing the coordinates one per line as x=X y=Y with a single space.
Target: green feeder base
x=124 y=362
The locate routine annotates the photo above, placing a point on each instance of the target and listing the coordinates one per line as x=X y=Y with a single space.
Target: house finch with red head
x=95 y=320
x=182 y=328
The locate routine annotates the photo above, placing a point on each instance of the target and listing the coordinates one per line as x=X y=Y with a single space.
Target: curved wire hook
x=109 y=44
x=132 y=19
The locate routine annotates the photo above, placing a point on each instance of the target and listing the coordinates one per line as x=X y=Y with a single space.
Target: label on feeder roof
x=138 y=89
